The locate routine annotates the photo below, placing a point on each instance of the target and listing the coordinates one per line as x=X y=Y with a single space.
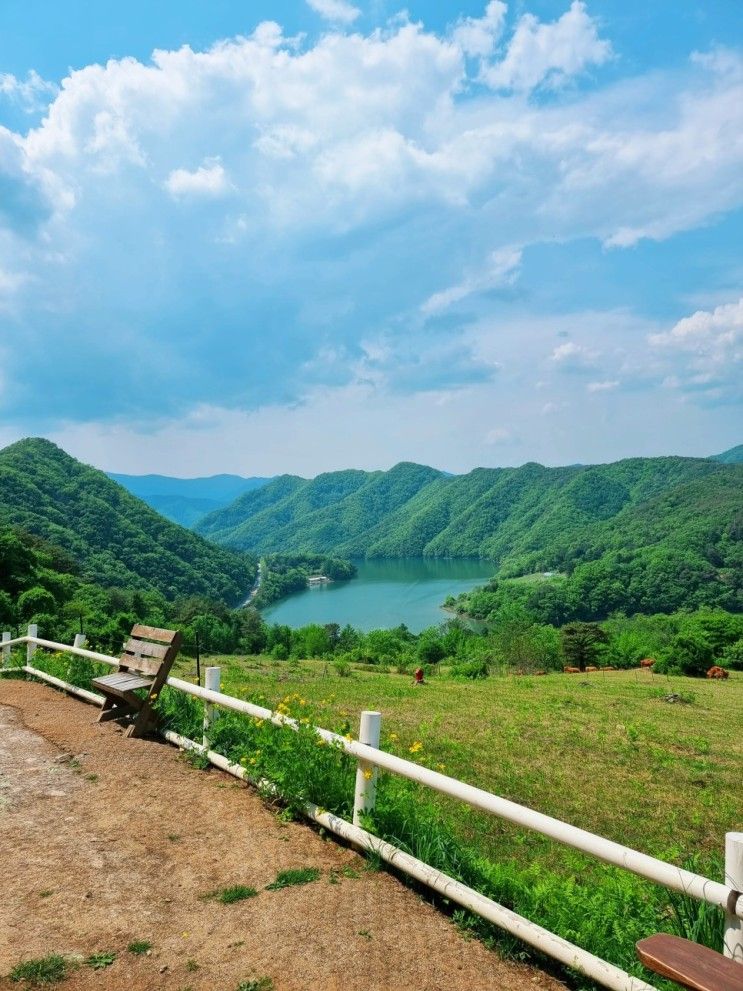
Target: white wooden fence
x=727 y=896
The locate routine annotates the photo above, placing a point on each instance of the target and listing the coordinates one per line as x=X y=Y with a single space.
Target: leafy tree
x=582 y=644
x=36 y=600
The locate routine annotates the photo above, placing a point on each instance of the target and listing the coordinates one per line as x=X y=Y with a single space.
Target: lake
x=384 y=594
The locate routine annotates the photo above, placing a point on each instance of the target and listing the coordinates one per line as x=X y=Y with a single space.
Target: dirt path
x=108 y=840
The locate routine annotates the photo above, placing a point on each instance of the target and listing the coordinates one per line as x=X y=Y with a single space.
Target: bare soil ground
x=108 y=840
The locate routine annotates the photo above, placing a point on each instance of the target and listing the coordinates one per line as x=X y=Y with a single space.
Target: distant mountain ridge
x=661 y=519
x=116 y=539
x=733 y=456
x=187 y=500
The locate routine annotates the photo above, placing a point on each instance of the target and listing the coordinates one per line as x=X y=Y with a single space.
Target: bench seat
x=121 y=683
x=689 y=964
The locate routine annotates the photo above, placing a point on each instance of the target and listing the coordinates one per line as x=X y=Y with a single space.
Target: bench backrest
x=149 y=649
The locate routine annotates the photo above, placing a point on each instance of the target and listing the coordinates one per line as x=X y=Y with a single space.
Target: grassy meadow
x=603 y=751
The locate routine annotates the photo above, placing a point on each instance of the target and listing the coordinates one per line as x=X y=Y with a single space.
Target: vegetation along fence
x=371 y=760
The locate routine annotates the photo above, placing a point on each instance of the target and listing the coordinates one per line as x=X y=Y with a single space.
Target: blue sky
x=301 y=236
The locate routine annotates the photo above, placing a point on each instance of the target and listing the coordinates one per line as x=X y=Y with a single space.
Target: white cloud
x=501 y=270
x=606 y=386
x=572 y=355
x=549 y=53
x=363 y=167
x=32 y=93
x=337 y=11
x=210 y=179
x=477 y=36
x=708 y=347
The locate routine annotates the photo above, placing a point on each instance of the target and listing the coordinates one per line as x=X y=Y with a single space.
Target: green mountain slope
x=650 y=533
x=333 y=510
x=116 y=539
x=732 y=457
x=187 y=500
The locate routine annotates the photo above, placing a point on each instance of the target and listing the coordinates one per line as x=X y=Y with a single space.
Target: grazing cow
x=647 y=662
x=568 y=670
x=591 y=668
x=717 y=672
x=609 y=668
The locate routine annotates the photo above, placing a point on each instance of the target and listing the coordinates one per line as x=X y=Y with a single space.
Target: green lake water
x=384 y=594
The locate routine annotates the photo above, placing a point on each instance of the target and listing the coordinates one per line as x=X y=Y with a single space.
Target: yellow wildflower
x=253 y=760
x=394 y=736
x=320 y=742
x=368 y=774
x=347 y=736
x=441 y=767
x=415 y=747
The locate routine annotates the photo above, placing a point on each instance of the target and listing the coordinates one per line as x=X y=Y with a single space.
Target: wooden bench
x=145 y=662
x=690 y=964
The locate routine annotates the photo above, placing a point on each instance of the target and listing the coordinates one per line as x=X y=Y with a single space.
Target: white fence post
x=80 y=640
x=733 y=940
x=366 y=774
x=33 y=631
x=6 y=650
x=212 y=682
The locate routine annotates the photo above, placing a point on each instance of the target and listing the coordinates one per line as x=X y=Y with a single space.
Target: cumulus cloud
x=210 y=179
x=337 y=11
x=708 y=351
x=478 y=36
x=549 y=54
x=251 y=206
x=571 y=355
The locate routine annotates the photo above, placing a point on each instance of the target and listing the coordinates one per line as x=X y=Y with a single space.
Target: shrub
x=470 y=669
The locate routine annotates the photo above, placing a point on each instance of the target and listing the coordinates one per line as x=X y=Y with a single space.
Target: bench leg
x=145 y=721
x=114 y=709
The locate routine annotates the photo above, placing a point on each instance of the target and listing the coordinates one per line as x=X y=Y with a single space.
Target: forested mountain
x=645 y=534
x=187 y=500
x=335 y=509
x=113 y=538
x=732 y=457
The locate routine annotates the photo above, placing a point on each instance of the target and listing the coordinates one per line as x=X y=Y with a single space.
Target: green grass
x=603 y=751
x=99 y=961
x=292 y=877
x=237 y=893
x=139 y=947
x=257 y=984
x=44 y=970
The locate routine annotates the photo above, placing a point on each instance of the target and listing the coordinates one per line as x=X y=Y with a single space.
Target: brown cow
x=591 y=668
x=717 y=672
x=647 y=662
x=568 y=670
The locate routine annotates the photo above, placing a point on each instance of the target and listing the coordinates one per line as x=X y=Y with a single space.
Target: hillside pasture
x=606 y=751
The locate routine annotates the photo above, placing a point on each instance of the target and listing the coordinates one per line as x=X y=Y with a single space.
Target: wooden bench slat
x=694 y=966
x=154 y=633
x=158 y=650
x=119 y=683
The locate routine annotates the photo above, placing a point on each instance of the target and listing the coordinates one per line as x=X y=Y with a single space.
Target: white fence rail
x=727 y=896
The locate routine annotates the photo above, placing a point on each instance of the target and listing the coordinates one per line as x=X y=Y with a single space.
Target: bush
x=471 y=669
